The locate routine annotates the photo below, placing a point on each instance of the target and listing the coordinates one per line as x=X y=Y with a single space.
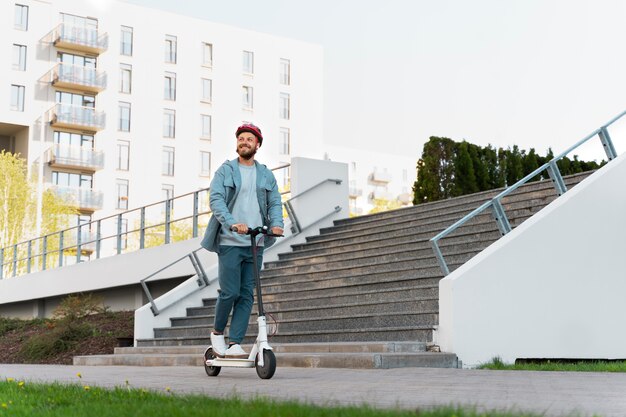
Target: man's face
x=247 y=145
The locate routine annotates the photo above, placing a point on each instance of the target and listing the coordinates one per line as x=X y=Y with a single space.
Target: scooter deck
x=228 y=362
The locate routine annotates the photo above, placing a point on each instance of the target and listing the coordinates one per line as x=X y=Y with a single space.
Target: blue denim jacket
x=225 y=187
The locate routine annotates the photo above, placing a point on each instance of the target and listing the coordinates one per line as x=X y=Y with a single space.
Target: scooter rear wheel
x=211 y=370
x=269 y=365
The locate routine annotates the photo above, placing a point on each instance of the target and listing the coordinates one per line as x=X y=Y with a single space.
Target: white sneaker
x=218 y=344
x=236 y=352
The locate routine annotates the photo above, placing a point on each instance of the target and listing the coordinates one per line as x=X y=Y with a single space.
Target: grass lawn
x=29 y=399
x=583 y=366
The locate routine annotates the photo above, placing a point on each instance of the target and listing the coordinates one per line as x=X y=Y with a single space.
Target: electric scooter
x=261 y=356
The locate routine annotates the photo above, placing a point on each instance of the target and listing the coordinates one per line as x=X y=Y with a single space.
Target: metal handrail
x=12 y=251
x=496 y=202
x=296 y=227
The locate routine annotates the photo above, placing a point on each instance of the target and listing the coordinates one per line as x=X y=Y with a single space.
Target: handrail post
x=439 y=256
x=556 y=177
x=194 y=219
x=142 y=228
x=295 y=223
x=168 y=216
x=78 y=243
x=119 y=233
x=500 y=216
x=98 y=238
x=44 y=254
x=607 y=143
x=15 y=259
x=30 y=254
x=61 y=233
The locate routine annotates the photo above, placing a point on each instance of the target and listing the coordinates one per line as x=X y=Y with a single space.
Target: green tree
x=435 y=171
x=465 y=179
x=514 y=168
x=18 y=213
x=530 y=163
x=381 y=204
x=479 y=163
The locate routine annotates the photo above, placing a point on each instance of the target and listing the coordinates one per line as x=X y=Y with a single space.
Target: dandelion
x=79 y=375
x=168 y=389
x=87 y=387
x=4 y=405
x=20 y=384
x=10 y=379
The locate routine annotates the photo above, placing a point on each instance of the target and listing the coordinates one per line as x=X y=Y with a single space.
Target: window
x=283 y=176
x=167 y=167
x=205 y=164
x=17 y=97
x=122 y=194
x=207 y=54
x=123 y=155
x=248 y=62
x=21 y=17
x=284 y=143
x=67 y=179
x=124 y=119
x=73 y=139
x=285 y=72
x=126 y=41
x=126 y=73
x=247 y=97
x=284 y=111
x=167 y=191
x=169 y=123
x=207 y=90
x=206 y=126
x=170 y=49
x=19 y=57
x=74 y=99
x=170 y=86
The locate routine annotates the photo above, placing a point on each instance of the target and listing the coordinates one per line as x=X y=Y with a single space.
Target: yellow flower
x=4 y=405
x=86 y=387
x=20 y=384
x=168 y=389
x=79 y=375
x=10 y=379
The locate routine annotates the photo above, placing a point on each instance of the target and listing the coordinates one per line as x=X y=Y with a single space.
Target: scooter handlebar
x=257 y=231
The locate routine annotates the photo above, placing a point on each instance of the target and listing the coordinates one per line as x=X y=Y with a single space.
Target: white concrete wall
x=552 y=288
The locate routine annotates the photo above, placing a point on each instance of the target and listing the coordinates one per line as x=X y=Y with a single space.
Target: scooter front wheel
x=269 y=364
x=211 y=370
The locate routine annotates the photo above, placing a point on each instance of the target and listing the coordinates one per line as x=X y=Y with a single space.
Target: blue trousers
x=236 y=279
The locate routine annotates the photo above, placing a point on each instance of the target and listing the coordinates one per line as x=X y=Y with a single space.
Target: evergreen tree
x=480 y=167
x=435 y=171
x=514 y=169
x=465 y=179
x=531 y=163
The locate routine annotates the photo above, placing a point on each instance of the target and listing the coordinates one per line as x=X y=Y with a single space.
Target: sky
x=532 y=73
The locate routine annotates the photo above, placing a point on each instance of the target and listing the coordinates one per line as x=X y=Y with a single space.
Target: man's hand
x=277 y=230
x=240 y=228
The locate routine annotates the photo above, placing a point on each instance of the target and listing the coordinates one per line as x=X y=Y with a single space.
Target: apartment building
x=117 y=106
x=375 y=176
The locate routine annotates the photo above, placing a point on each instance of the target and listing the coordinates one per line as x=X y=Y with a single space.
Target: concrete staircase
x=363 y=293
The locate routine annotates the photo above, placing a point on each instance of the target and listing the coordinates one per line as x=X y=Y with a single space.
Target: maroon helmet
x=249 y=127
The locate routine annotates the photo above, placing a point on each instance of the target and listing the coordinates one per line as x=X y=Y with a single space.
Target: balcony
x=380 y=195
x=75 y=77
x=81 y=157
x=379 y=178
x=355 y=192
x=79 y=38
x=66 y=116
x=85 y=199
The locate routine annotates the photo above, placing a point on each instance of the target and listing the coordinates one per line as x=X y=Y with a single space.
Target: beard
x=246 y=152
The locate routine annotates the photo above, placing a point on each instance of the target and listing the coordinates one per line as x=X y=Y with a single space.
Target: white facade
x=375 y=175
x=252 y=77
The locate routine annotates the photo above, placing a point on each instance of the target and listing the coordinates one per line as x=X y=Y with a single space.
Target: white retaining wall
x=552 y=288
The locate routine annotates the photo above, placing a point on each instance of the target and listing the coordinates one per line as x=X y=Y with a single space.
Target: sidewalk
x=547 y=393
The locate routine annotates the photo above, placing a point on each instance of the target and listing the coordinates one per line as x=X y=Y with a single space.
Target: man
x=243 y=194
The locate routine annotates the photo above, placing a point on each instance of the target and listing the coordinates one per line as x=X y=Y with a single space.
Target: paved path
x=547 y=393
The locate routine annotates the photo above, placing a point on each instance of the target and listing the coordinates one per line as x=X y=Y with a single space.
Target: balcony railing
x=76 y=77
x=80 y=38
x=85 y=199
x=380 y=177
x=75 y=157
x=380 y=195
x=355 y=192
x=76 y=117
